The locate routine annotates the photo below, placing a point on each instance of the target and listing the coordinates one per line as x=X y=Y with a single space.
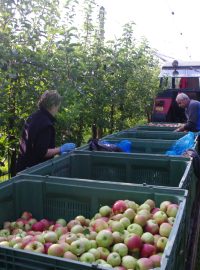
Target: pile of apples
x=123 y=236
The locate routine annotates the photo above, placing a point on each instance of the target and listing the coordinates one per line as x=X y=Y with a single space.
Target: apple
x=77 y=229
x=71 y=223
x=140 y=219
x=165 y=229
x=70 y=237
x=156 y=237
x=117 y=217
x=61 y=231
x=35 y=246
x=164 y=205
x=56 y=250
x=26 y=215
x=145 y=206
x=61 y=221
x=18 y=246
x=50 y=236
x=45 y=222
x=104 y=238
x=171 y=220
x=117 y=226
x=129 y=262
x=87 y=243
x=114 y=259
x=156 y=259
x=46 y=247
x=121 y=249
x=154 y=210
x=135 y=228
x=147 y=250
x=134 y=243
x=131 y=204
x=144 y=264
x=104 y=252
x=151 y=226
x=99 y=225
x=71 y=256
x=38 y=226
x=4 y=244
x=172 y=210
x=4 y=232
x=105 y=211
x=161 y=243
x=119 y=268
x=118 y=237
x=32 y=221
x=95 y=252
x=87 y=257
x=83 y=221
x=125 y=221
x=129 y=213
x=160 y=217
x=151 y=203
x=147 y=237
x=77 y=247
x=119 y=207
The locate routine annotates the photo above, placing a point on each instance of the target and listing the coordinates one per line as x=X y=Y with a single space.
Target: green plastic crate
x=156 y=127
x=52 y=198
x=148 y=146
x=146 y=134
x=157 y=170
x=119 y=167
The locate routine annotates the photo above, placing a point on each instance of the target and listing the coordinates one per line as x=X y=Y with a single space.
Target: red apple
x=56 y=250
x=38 y=226
x=134 y=243
x=156 y=259
x=147 y=250
x=26 y=215
x=151 y=226
x=119 y=207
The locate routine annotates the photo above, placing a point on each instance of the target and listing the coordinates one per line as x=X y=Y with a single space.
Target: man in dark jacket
x=37 y=143
x=192 y=112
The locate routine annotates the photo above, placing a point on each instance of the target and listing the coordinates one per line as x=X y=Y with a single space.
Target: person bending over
x=192 y=112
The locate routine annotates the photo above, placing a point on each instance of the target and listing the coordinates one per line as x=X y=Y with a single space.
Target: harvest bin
x=147 y=146
x=146 y=134
x=52 y=198
x=157 y=170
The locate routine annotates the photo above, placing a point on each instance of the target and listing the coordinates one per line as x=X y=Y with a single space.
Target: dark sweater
x=193 y=116
x=38 y=136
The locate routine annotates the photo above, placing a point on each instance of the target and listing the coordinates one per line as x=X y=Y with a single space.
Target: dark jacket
x=38 y=136
x=193 y=116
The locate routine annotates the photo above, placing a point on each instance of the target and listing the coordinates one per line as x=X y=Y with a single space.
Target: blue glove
x=67 y=147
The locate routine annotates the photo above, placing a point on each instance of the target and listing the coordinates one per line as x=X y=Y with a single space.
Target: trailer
x=176 y=77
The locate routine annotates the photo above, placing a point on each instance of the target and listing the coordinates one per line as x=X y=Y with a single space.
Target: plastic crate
x=158 y=127
x=157 y=170
x=148 y=146
x=52 y=198
x=146 y=134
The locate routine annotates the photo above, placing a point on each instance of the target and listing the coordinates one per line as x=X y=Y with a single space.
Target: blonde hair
x=49 y=99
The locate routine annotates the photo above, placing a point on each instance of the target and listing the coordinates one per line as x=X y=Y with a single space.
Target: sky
x=170 y=26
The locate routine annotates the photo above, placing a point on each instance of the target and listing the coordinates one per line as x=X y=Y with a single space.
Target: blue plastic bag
x=125 y=145
x=182 y=144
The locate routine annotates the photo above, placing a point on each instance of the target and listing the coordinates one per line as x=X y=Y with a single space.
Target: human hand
x=67 y=147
